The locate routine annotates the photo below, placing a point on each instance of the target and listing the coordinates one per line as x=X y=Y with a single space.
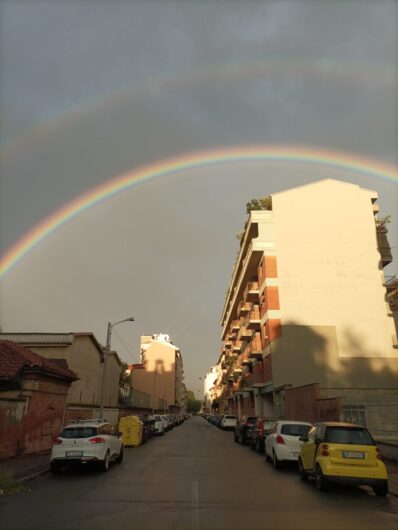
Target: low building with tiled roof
x=14 y=359
x=33 y=394
x=84 y=355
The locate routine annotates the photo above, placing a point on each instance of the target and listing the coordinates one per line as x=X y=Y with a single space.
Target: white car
x=228 y=422
x=85 y=441
x=282 y=443
x=159 y=425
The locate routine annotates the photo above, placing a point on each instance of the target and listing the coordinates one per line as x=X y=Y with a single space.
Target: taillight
x=279 y=439
x=97 y=440
x=378 y=454
x=57 y=441
x=324 y=450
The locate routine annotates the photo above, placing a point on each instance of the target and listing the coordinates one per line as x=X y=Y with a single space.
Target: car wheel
x=241 y=439
x=258 y=446
x=235 y=437
x=381 y=490
x=55 y=468
x=302 y=473
x=267 y=458
x=320 y=481
x=275 y=462
x=104 y=464
x=120 y=455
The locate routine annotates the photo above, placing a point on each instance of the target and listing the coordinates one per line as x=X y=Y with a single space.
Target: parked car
x=159 y=426
x=84 y=441
x=342 y=453
x=147 y=427
x=259 y=433
x=167 y=421
x=283 y=444
x=244 y=425
x=228 y=422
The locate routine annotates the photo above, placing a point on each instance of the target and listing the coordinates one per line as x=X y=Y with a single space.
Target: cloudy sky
x=91 y=90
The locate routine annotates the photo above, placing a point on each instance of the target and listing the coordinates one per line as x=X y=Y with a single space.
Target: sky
x=92 y=90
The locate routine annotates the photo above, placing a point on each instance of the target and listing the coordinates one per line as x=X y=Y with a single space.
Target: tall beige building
x=308 y=325
x=163 y=374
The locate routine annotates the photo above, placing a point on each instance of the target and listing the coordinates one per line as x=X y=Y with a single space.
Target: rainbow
x=179 y=164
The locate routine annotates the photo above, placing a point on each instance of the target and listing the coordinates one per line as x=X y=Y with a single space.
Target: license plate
x=353 y=454
x=73 y=453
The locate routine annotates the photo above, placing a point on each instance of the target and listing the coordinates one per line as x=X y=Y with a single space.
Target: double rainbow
x=179 y=164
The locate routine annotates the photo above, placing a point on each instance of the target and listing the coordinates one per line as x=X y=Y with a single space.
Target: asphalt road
x=193 y=478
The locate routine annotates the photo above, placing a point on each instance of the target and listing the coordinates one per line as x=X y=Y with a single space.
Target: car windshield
x=348 y=435
x=295 y=429
x=229 y=417
x=158 y=418
x=79 y=432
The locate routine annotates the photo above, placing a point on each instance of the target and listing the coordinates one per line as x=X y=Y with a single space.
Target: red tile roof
x=14 y=358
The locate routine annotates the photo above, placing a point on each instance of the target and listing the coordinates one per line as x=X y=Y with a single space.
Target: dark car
x=242 y=430
x=259 y=433
x=148 y=424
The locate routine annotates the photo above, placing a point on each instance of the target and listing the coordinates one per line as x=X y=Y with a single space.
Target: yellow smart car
x=342 y=453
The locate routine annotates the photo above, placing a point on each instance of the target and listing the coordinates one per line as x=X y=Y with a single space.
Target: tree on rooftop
x=264 y=203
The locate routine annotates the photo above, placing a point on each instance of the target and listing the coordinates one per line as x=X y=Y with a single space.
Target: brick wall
x=30 y=418
x=304 y=403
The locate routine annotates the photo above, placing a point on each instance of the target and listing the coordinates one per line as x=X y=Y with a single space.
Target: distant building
x=163 y=375
x=307 y=326
x=209 y=387
x=82 y=353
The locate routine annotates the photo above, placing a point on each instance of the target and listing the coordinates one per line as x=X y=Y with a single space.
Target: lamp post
x=106 y=353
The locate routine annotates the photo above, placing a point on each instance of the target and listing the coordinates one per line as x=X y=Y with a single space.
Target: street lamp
x=107 y=350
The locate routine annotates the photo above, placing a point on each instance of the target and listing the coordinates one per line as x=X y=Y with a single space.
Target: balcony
x=245 y=334
x=228 y=344
x=237 y=372
x=256 y=350
x=235 y=325
x=254 y=318
x=246 y=361
x=244 y=308
x=237 y=346
x=392 y=292
x=383 y=245
x=251 y=293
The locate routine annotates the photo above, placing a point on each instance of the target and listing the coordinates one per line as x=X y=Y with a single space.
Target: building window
x=354 y=414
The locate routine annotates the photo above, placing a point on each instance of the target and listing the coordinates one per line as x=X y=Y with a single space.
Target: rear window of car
x=79 y=432
x=348 y=435
x=295 y=429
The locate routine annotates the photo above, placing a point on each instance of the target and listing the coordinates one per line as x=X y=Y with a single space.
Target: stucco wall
x=310 y=354
x=328 y=266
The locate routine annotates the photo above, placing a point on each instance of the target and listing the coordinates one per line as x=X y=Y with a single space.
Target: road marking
x=195 y=503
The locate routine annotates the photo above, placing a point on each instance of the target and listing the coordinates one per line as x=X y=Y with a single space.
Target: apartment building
x=308 y=327
x=163 y=374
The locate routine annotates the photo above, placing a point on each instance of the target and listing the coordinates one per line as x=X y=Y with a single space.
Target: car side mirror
x=303 y=438
x=119 y=434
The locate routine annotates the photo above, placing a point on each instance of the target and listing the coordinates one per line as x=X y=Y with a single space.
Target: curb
x=33 y=475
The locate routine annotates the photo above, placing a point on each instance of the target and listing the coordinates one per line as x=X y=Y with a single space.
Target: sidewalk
x=25 y=467
x=28 y=466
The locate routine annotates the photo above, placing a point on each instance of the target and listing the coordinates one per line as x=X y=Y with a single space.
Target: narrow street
x=194 y=477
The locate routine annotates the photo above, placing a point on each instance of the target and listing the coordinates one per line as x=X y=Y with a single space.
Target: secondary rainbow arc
x=189 y=161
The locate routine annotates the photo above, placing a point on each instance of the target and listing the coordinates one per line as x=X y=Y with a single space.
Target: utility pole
x=106 y=353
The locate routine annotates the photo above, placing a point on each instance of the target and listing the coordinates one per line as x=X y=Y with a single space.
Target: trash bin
x=131 y=429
